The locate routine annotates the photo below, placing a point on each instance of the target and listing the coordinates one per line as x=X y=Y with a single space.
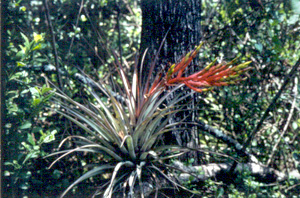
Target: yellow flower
x=37 y=37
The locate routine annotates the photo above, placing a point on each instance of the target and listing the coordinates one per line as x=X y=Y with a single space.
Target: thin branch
x=219 y=134
x=59 y=80
x=103 y=42
x=295 y=89
x=119 y=30
x=270 y=107
x=73 y=37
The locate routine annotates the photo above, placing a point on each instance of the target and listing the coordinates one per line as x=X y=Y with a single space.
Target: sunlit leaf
x=36 y=101
x=26 y=125
x=30 y=139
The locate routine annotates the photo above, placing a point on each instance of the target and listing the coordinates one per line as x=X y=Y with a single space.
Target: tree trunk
x=179 y=21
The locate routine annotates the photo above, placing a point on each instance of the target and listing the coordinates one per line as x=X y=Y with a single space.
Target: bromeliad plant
x=127 y=131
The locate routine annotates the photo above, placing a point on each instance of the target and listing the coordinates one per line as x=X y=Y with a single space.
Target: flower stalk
x=222 y=74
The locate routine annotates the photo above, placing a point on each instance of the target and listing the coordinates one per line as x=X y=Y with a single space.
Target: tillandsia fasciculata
x=129 y=135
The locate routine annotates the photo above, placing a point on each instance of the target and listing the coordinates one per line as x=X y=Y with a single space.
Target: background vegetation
x=266 y=32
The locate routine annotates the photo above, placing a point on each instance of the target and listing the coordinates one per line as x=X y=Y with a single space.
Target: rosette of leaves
x=128 y=130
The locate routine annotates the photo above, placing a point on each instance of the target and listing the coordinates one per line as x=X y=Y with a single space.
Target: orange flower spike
x=206 y=74
x=219 y=84
x=210 y=72
x=199 y=90
x=179 y=65
x=198 y=84
x=222 y=67
x=222 y=71
x=226 y=72
x=183 y=63
x=212 y=75
x=221 y=79
x=214 y=78
x=194 y=88
x=197 y=75
x=192 y=76
x=177 y=79
x=188 y=59
x=181 y=79
x=203 y=71
x=236 y=70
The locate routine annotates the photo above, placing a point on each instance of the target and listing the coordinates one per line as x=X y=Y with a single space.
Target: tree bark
x=179 y=21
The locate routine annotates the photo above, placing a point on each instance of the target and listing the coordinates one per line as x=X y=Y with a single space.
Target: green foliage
x=25 y=132
x=266 y=34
